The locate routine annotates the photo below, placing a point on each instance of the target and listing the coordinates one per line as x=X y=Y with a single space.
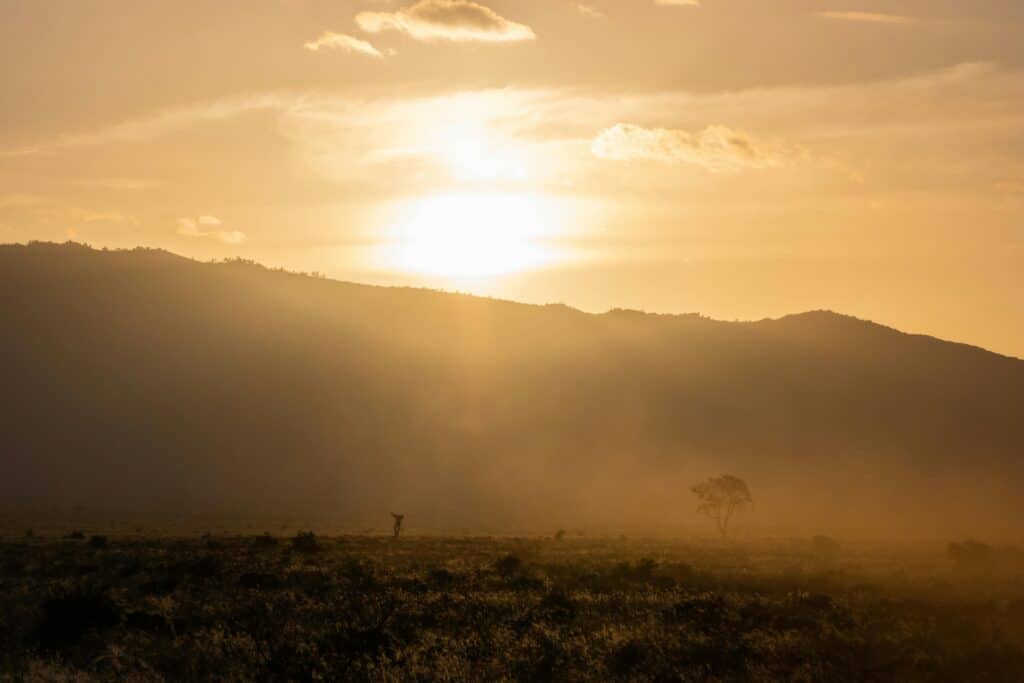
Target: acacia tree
x=720 y=497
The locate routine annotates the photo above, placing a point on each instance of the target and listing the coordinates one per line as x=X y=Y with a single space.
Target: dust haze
x=139 y=383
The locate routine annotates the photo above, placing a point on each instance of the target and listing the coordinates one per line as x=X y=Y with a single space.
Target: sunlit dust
x=467 y=235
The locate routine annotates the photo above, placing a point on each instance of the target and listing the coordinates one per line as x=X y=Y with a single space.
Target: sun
x=487 y=216
x=473 y=234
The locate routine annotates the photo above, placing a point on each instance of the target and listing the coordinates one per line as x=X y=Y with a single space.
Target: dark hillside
x=145 y=381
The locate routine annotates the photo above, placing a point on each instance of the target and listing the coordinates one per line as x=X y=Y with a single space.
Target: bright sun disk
x=466 y=235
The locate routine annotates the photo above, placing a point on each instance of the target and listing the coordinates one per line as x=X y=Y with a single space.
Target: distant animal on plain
x=398 y=523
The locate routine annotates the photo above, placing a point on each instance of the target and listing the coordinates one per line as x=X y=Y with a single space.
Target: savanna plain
x=145 y=604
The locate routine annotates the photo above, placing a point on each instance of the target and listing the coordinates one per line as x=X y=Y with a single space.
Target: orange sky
x=739 y=158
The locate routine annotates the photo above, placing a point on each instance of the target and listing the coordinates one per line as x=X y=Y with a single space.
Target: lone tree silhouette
x=398 y=523
x=720 y=497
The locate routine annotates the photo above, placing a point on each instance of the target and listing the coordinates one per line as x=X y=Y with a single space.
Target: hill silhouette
x=140 y=381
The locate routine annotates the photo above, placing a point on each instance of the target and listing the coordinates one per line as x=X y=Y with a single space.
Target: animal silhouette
x=398 y=523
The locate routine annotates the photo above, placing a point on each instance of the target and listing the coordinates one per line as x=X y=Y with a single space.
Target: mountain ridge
x=173 y=258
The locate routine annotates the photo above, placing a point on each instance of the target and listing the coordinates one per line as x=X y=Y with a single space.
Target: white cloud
x=447 y=20
x=588 y=11
x=716 y=148
x=189 y=228
x=345 y=43
x=194 y=227
x=231 y=236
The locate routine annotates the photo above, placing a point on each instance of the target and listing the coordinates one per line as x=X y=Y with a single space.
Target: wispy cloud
x=341 y=135
x=866 y=17
x=49 y=209
x=119 y=184
x=205 y=226
x=164 y=121
x=59 y=213
x=716 y=148
x=588 y=11
x=115 y=217
x=345 y=43
x=678 y=3
x=447 y=20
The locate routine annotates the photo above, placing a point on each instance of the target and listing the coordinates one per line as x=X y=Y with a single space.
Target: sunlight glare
x=474 y=155
x=467 y=235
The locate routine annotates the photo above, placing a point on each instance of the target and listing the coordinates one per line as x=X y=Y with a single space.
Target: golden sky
x=740 y=158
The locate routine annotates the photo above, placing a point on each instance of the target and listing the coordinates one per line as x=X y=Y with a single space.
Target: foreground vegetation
x=370 y=608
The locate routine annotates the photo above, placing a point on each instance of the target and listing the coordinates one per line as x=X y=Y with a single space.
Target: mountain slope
x=144 y=381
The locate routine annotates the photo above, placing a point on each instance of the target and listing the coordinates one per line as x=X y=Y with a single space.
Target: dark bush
x=360 y=575
x=509 y=565
x=705 y=612
x=66 y=618
x=558 y=606
x=12 y=566
x=627 y=658
x=203 y=567
x=131 y=566
x=147 y=622
x=260 y=581
x=76 y=535
x=162 y=585
x=98 y=542
x=305 y=542
x=641 y=571
x=441 y=578
x=264 y=541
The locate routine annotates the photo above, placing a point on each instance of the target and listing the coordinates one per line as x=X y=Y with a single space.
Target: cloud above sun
x=716 y=148
x=447 y=20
